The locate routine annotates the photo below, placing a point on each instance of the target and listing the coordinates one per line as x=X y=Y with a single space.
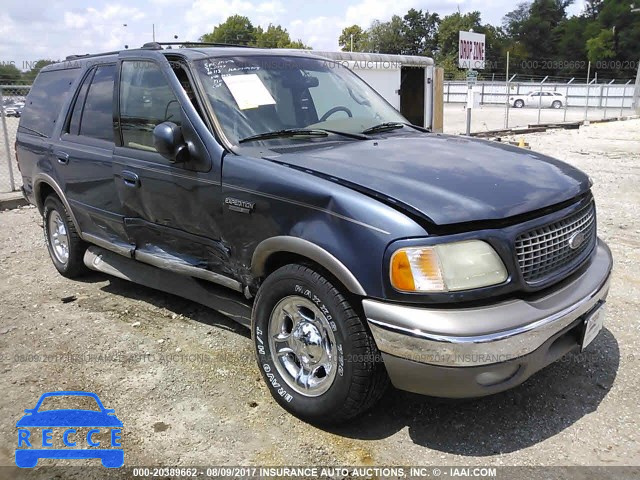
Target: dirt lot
x=184 y=382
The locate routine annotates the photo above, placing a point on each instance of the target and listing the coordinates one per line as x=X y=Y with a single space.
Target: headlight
x=446 y=267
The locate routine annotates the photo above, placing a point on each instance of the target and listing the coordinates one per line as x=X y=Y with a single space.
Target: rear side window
x=76 y=115
x=47 y=96
x=97 y=115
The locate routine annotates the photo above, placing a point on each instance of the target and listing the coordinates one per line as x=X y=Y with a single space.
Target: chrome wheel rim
x=58 y=237
x=303 y=346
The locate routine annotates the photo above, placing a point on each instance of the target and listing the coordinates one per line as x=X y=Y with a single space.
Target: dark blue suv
x=282 y=190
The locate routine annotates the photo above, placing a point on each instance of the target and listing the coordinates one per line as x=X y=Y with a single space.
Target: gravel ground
x=212 y=408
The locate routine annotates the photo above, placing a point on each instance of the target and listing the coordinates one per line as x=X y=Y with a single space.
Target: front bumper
x=478 y=351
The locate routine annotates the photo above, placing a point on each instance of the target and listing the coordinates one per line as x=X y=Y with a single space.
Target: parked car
x=542 y=99
x=281 y=189
x=13 y=110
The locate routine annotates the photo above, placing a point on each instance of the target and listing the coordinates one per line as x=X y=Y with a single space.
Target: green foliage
x=9 y=74
x=536 y=27
x=420 y=32
x=276 y=37
x=386 y=37
x=448 y=35
x=238 y=30
x=601 y=47
x=539 y=36
x=448 y=32
x=615 y=15
x=359 y=36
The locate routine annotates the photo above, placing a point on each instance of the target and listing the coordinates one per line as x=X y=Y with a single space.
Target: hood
x=445 y=178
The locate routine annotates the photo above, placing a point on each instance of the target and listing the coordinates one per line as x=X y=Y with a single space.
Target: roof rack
x=155 y=45
x=89 y=55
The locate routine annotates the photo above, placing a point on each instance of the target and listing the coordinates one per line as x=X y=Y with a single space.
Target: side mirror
x=168 y=140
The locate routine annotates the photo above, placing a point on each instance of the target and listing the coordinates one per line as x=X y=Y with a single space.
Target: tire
x=518 y=104
x=54 y=215
x=556 y=104
x=319 y=320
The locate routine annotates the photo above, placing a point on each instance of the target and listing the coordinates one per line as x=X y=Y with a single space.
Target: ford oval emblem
x=576 y=240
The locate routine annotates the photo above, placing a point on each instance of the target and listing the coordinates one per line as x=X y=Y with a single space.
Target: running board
x=218 y=298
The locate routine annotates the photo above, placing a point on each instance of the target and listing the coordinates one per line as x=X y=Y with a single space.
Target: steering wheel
x=337 y=109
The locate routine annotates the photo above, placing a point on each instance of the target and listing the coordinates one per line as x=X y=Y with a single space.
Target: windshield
x=251 y=95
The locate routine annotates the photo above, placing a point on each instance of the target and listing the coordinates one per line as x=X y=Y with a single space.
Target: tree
x=601 y=47
x=276 y=37
x=300 y=45
x=572 y=42
x=386 y=37
x=355 y=33
x=536 y=25
x=9 y=74
x=234 y=30
x=624 y=26
x=240 y=31
x=420 y=32
x=592 y=8
x=448 y=37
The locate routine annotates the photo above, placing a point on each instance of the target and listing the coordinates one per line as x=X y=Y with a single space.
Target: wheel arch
x=43 y=186
x=275 y=251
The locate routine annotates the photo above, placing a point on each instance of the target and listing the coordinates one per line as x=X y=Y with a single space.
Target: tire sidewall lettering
x=272 y=377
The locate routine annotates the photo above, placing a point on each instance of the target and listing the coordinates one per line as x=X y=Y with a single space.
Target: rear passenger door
x=547 y=99
x=84 y=155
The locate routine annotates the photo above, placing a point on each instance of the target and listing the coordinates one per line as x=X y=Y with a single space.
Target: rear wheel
x=556 y=104
x=518 y=104
x=65 y=246
x=313 y=349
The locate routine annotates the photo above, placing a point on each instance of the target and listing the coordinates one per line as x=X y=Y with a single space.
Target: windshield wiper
x=357 y=136
x=287 y=132
x=418 y=128
x=383 y=127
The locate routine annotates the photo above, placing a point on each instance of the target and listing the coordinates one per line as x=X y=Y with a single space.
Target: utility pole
x=153 y=31
x=351 y=42
x=636 y=92
x=507 y=92
x=586 y=103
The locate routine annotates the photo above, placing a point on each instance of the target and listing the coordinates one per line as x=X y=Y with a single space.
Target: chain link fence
x=12 y=100
x=529 y=104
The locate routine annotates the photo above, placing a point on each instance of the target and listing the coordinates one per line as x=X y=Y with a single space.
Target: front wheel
x=313 y=349
x=556 y=104
x=518 y=104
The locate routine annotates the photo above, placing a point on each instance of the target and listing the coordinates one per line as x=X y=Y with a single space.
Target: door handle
x=130 y=179
x=62 y=157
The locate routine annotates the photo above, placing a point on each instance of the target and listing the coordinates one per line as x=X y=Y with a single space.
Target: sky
x=53 y=29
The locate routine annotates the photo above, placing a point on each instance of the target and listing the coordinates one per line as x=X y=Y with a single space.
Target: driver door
x=172 y=211
x=534 y=99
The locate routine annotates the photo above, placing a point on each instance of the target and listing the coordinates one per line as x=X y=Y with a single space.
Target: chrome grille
x=545 y=250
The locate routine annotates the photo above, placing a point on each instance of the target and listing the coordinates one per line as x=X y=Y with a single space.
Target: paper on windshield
x=248 y=91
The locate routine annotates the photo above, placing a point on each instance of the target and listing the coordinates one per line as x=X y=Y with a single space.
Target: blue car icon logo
x=82 y=433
